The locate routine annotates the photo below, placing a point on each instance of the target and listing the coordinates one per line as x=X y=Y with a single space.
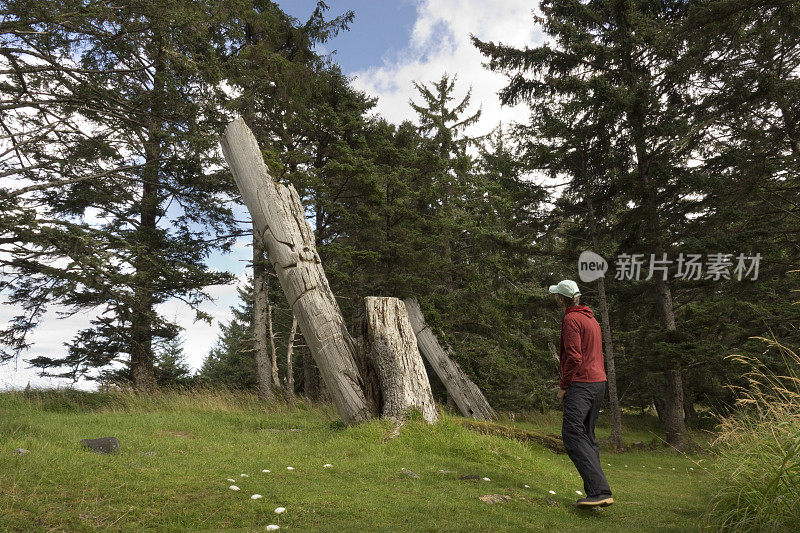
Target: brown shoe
x=603 y=500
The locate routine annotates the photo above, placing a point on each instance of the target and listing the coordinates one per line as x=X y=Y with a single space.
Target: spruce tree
x=482 y=220
x=118 y=200
x=613 y=54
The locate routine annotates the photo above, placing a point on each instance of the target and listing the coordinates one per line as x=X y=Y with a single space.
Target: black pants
x=581 y=405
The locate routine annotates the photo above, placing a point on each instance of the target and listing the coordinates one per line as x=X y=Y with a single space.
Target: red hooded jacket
x=581 y=354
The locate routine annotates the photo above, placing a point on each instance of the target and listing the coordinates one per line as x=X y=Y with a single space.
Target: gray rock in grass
x=102 y=445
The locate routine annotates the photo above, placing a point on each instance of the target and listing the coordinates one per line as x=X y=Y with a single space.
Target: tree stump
x=279 y=218
x=467 y=396
x=391 y=353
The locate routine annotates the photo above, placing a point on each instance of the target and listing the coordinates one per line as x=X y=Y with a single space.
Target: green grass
x=644 y=429
x=201 y=439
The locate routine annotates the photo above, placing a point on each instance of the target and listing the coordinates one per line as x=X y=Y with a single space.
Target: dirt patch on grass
x=549 y=440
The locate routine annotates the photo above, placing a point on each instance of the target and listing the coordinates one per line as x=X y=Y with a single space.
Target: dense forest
x=663 y=136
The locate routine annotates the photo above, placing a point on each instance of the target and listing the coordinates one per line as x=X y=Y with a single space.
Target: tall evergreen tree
x=118 y=200
x=230 y=362
x=482 y=222
x=615 y=52
x=744 y=63
x=444 y=127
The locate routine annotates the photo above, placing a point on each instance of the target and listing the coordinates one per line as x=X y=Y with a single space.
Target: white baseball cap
x=566 y=288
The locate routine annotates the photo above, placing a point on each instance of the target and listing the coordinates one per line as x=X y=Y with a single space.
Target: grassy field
x=179 y=450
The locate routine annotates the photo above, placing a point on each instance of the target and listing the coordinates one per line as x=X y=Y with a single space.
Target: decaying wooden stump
x=390 y=350
x=467 y=396
x=279 y=218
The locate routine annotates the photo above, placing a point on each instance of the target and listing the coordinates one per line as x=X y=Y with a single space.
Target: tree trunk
x=673 y=416
x=263 y=361
x=608 y=343
x=467 y=396
x=688 y=407
x=279 y=218
x=142 y=312
x=611 y=371
x=657 y=406
x=142 y=369
x=390 y=349
x=310 y=378
x=672 y=411
x=142 y=360
x=289 y=350
x=276 y=382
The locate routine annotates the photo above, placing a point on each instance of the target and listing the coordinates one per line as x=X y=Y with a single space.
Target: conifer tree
x=483 y=220
x=170 y=368
x=613 y=53
x=118 y=202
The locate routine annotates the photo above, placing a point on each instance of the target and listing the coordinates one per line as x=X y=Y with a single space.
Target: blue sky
x=389 y=46
x=380 y=29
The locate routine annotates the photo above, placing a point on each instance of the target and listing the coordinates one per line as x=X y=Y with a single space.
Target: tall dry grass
x=759 y=449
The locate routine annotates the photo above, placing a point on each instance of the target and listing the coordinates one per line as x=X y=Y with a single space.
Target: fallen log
x=467 y=396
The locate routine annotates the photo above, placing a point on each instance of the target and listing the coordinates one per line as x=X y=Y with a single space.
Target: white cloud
x=440 y=43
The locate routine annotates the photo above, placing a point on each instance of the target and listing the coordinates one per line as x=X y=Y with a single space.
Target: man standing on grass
x=583 y=385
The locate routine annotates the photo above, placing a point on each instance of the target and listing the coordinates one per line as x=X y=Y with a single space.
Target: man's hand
x=561 y=393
